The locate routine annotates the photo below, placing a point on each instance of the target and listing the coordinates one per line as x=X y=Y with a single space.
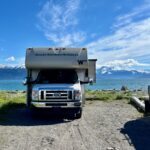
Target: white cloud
x=14 y=62
x=58 y=22
x=10 y=59
x=137 y=13
x=128 y=41
x=67 y=39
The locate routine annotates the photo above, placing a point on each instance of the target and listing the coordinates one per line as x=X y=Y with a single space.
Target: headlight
x=77 y=95
x=35 y=95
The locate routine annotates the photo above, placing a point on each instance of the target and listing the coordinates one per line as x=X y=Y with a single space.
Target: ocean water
x=12 y=85
x=101 y=84
x=109 y=84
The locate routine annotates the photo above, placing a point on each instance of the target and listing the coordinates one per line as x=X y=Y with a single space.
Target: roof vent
x=84 y=49
x=50 y=49
x=30 y=49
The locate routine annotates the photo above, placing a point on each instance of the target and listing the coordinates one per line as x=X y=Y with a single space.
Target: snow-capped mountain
x=21 y=66
x=19 y=72
x=112 y=72
x=9 y=72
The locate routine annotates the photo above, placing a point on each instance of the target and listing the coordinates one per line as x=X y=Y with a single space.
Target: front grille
x=56 y=95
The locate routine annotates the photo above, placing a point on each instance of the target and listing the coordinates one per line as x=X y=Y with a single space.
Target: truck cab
x=56 y=78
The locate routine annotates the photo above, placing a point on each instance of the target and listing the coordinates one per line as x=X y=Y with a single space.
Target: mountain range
x=111 y=72
x=12 y=73
x=19 y=72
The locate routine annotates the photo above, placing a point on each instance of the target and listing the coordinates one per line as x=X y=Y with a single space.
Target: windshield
x=57 y=76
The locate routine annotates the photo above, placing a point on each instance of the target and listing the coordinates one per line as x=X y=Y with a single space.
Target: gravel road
x=104 y=126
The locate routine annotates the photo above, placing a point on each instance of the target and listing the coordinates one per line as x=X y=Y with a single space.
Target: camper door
x=92 y=70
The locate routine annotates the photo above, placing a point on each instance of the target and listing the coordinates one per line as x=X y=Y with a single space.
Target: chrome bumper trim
x=68 y=104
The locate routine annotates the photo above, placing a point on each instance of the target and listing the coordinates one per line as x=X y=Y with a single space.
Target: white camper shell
x=56 y=77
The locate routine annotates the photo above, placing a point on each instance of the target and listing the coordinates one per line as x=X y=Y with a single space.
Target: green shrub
x=118 y=97
x=107 y=95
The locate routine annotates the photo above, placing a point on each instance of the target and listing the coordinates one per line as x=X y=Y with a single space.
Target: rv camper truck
x=56 y=78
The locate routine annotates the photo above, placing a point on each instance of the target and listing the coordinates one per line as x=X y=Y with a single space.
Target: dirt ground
x=113 y=125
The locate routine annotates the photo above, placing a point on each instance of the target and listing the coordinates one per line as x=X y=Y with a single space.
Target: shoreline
x=98 y=90
x=102 y=95
x=109 y=85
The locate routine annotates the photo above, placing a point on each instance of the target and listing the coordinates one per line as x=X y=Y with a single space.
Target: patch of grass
x=11 y=100
x=119 y=97
x=140 y=93
x=107 y=95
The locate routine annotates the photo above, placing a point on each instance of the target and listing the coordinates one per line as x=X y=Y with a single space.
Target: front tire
x=78 y=115
x=28 y=101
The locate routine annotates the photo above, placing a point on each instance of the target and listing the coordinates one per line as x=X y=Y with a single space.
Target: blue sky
x=115 y=32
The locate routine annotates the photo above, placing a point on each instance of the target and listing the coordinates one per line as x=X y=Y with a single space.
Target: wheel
x=28 y=101
x=147 y=106
x=78 y=115
x=28 y=104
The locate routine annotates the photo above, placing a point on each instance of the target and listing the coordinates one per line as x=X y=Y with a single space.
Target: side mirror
x=90 y=81
x=24 y=82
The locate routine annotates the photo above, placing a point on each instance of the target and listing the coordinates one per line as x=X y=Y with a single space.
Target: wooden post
x=149 y=92
x=138 y=103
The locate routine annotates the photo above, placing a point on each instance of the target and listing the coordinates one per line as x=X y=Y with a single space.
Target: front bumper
x=75 y=104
